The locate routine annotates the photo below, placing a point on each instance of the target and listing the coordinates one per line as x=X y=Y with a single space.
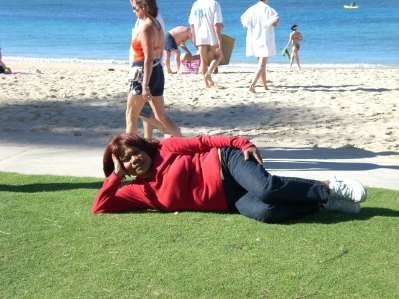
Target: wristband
x=146 y=87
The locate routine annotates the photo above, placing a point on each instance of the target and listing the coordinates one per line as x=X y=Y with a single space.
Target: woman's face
x=136 y=161
x=137 y=9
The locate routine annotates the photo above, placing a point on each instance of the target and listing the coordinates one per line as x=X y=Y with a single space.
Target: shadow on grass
x=322 y=217
x=34 y=188
x=366 y=213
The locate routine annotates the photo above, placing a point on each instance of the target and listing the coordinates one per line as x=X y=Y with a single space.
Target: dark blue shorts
x=169 y=43
x=157 y=81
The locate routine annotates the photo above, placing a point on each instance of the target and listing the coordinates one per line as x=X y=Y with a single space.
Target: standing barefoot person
x=294 y=39
x=206 y=27
x=260 y=19
x=148 y=47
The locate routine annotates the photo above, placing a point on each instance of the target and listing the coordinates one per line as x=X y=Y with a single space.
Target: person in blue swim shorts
x=174 y=39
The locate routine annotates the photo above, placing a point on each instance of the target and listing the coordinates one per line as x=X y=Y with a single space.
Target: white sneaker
x=346 y=189
x=341 y=205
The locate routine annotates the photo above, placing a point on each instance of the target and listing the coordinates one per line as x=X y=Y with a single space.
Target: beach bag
x=136 y=74
x=189 y=67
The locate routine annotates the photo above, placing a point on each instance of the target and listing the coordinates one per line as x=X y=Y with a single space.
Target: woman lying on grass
x=212 y=173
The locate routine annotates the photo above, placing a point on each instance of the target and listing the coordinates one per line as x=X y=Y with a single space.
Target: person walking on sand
x=294 y=39
x=206 y=27
x=146 y=114
x=174 y=39
x=149 y=84
x=260 y=19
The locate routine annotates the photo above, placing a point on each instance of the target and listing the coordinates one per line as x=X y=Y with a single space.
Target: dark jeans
x=253 y=192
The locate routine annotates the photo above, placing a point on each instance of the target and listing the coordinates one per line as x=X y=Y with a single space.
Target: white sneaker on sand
x=341 y=205
x=346 y=189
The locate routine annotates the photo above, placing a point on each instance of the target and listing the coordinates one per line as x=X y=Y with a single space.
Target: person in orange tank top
x=148 y=47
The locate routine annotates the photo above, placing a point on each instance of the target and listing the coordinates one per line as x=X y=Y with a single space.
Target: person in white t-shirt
x=260 y=19
x=206 y=26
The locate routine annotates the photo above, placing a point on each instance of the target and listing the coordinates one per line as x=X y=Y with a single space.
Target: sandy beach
x=72 y=104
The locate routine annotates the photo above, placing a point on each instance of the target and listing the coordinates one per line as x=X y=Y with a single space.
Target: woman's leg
x=177 y=59
x=203 y=51
x=251 y=207
x=258 y=74
x=158 y=106
x=252 y=190
x=263 y=77
x=134 y=105
x=217 y=57
x=241 y=201
x=167 y=61
x=297 y=59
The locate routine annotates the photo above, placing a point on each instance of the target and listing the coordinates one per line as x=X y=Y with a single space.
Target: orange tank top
x=138 y=48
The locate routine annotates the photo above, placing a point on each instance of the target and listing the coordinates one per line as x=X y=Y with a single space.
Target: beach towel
x=286 y=53
x=189 y=67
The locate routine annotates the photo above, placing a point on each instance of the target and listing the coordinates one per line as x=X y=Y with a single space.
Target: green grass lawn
x=51 y=246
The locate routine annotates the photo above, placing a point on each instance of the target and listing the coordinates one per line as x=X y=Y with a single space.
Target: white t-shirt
x=260 y=35
x=204 y=15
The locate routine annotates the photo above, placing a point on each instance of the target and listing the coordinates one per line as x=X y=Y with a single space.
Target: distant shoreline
x=233 y=65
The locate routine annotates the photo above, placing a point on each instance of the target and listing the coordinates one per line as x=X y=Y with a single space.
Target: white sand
x=78 y=104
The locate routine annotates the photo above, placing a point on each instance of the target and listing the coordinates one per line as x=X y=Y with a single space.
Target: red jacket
x=185 y=177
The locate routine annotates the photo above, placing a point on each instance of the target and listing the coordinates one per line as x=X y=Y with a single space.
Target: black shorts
x=169 y=42
x=157 y=80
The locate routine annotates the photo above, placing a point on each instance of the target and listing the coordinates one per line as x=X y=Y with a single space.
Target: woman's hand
x=118 y=169
x=253 y=150
x=146 y=93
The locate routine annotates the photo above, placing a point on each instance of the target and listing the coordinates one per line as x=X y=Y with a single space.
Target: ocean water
x=100 y=31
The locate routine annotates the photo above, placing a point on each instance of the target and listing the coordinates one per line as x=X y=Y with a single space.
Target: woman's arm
x=202 y=144
x=106 y=197
x=289 y=41
x=147 y=42
x=111 y=199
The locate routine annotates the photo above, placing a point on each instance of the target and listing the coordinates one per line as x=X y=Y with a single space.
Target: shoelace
x=342 y=191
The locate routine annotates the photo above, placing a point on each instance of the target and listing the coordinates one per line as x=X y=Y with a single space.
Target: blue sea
x=100 y=31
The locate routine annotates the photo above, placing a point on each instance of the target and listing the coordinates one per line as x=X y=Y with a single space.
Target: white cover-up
x=204 y=15
x=260 y=35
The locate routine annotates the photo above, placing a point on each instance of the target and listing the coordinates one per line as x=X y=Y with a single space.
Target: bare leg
x=292 y=59
x=203 y=50
x=134 y=105
x=297 y=61
x=217 y=57
x=167 y=61
x=177 y=59
x=158 y=106
x=147 y=130
x=295 y=57
x=258 y=74
x=263 y=78
x=150 y=123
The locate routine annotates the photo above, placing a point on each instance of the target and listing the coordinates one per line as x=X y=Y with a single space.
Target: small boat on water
x=351 y=7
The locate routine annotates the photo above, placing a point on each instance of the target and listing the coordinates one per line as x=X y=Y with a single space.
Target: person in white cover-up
x=206 y=26
x=260 y=19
